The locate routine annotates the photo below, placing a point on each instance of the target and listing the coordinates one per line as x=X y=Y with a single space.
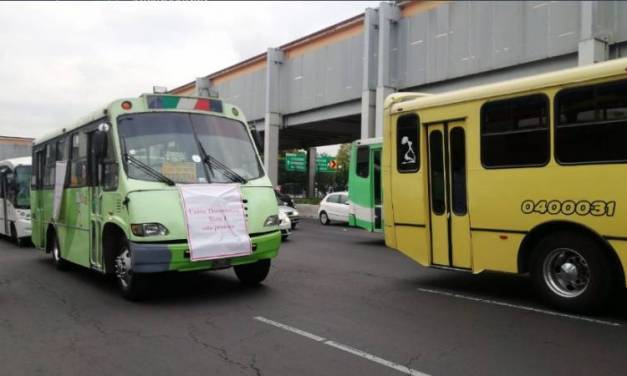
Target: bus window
x=591 y=124
x=363 y=161
x=49 y=163
x=78 y=160
x=61 y=150
x=515 y=132
x=438 y=204
x=407 y=151
x=458 y=169
x=110 y=172
x=22 y=189
x=376 y=156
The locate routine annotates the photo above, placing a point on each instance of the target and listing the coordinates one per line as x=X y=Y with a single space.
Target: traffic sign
x=295 y=162
x=326 y=164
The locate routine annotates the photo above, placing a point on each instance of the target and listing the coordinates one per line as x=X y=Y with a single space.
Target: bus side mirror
x=99 y=141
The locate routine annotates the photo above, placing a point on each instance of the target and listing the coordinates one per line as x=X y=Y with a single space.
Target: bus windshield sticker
x=182 y=172
x=215 y=221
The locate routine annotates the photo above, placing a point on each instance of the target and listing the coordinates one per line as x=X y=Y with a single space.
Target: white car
x=334 y=207
x=285 y=225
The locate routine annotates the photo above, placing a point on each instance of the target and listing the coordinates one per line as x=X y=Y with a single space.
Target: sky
x=61 y=61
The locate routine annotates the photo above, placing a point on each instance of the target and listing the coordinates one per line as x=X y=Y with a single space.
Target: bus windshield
x=176 y=145
x=22 y=186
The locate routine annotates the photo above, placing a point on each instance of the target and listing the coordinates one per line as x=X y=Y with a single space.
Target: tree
x=343 y=164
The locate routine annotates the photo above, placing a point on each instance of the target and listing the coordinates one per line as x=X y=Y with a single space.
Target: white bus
x=15 y=179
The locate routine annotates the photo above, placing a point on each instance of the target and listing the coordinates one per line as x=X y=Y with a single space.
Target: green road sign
x=295 y=162
x=326 y=164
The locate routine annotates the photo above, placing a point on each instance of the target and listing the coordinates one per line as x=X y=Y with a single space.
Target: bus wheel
x=133 y=286
x=253 y=274
x=572 y=272
x=324 y=218
x=58 y=260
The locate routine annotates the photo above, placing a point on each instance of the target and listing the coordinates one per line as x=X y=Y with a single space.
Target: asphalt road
x=337 y=302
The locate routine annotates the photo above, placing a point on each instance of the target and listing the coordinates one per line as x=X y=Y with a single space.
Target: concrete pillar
x=369 y=82
x=389 y=15
x=312 y=154
x=273 y=119
x=593 y=43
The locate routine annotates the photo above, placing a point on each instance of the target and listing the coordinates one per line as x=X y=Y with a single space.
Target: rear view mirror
x=99 y=141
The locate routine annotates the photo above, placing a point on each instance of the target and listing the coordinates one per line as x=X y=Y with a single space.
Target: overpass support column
x=273 y=119
x=369 y=81
x=311 y=171
x=389 y=15
x=593 y=43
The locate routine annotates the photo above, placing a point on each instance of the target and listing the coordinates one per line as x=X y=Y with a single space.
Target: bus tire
x=324 y=218
x=572 y=272
x=253 y=274
x=57 y=258
x=133 y=286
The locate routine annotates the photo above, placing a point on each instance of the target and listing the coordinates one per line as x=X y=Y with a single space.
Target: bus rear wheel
x=58 y=260
x=133 y=286
x=253 y=274
x=572 y=272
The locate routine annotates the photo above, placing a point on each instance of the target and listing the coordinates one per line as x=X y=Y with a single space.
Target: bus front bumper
x=156 y=258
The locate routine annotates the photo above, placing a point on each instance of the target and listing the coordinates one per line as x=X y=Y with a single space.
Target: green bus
x=119 y=209
x=364 y=185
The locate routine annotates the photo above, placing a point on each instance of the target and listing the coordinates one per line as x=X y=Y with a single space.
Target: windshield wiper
x=228 y=172
x=149 y=170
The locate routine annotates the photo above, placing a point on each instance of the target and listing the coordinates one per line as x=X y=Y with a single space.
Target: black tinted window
x=591 y=124
x=363 y=161
x=407 y=137
x=438 y=205
x=458 y=169
x=515 y=132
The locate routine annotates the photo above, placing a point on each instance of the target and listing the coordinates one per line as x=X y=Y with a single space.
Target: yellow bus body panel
x=498 y=199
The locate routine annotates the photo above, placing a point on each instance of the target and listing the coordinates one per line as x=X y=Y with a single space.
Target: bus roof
x=591 y=72
x=82 y=121
x=14 y=162
x=142 y=101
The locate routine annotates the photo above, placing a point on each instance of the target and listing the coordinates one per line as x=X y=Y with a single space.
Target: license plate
x=221 y=263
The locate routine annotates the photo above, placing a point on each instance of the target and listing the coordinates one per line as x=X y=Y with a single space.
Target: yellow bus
x=523 y=176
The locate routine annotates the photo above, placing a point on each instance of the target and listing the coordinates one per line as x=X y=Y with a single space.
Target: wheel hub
x=123 y=266
x=566 y=272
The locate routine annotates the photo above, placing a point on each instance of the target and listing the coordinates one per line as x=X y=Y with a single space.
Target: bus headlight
x=149 y=229
x=295 y=212
x=272 y=220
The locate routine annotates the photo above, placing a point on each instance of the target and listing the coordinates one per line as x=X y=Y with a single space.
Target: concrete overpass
x=328 y=87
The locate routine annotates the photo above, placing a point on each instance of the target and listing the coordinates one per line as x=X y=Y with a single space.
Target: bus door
x=37 y=193
x=450 y=224
x=95 y=204
x=4 y=201
x=376 y=189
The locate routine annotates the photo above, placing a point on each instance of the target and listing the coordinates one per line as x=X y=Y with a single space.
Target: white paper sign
x=59 y=181
x=215 y=220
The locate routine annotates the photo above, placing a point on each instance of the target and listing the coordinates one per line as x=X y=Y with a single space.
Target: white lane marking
x=290 y=329
x=375 y=359
x=339 y=346
x=521 y=307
